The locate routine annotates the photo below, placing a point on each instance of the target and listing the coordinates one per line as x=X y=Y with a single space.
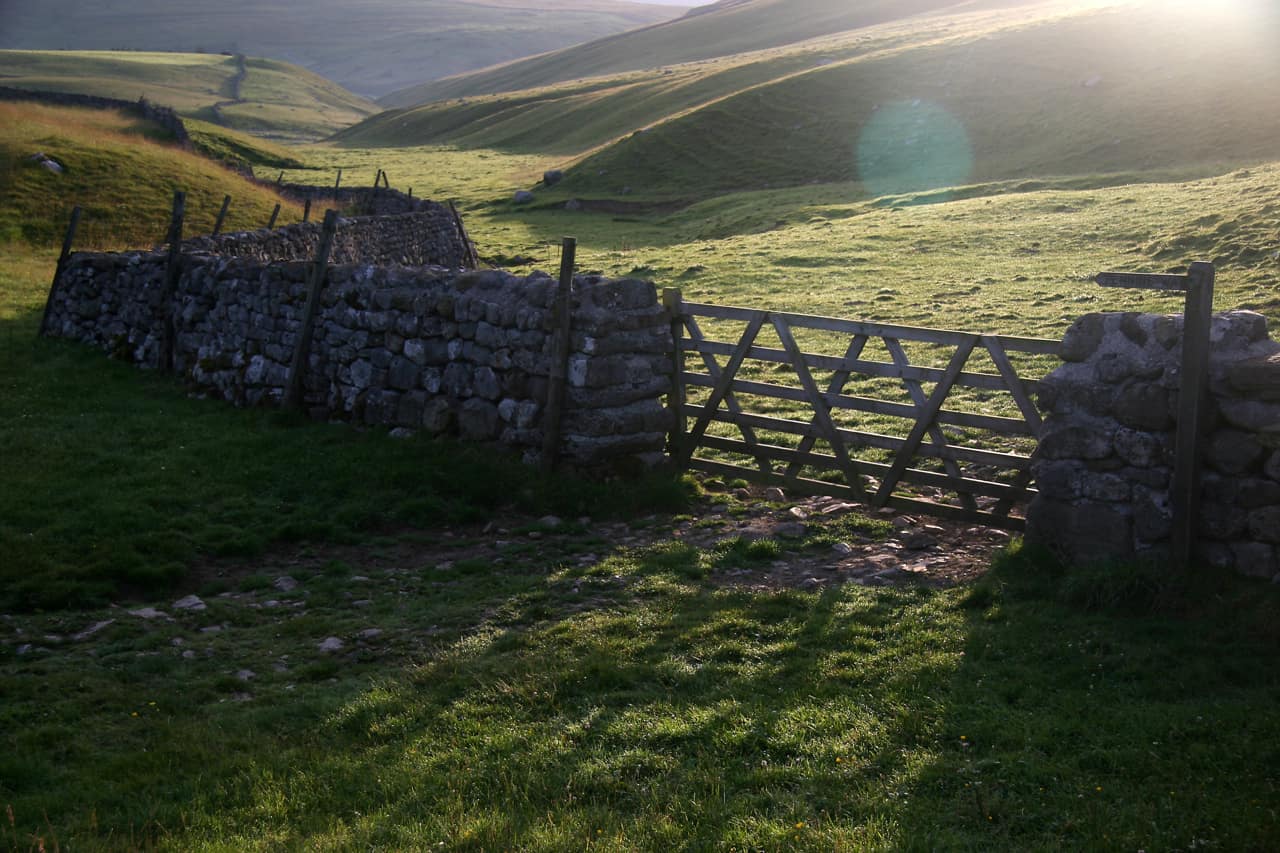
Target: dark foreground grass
x=639 y=706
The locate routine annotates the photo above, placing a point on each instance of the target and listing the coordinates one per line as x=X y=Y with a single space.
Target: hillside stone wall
x=1105 y=458
x=166 y=117
x=428 y=348
x=370 y=201
x=432 y=235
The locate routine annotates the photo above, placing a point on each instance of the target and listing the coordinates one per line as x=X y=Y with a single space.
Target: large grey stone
x=1069 y=441
x=1059 y=480
x=1251 y=415
x=1264 y=524
x=1138 y=448
x=1223 y=522
x=1257 y=378
x=478 y=420
x=1082 y=532
x=1233 y=451
x=1256 y=559
x=1144 y=406
x=1083 y=338
x=1152 y=515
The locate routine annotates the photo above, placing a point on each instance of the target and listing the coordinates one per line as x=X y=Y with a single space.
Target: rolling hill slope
x=722 y=29
x=261 y=96
x=371 y=47
x=904 y=107
x=121 y=172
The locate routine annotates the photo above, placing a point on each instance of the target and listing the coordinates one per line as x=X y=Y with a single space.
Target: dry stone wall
x=420 y=347
x=431 y=235
x=370 y=201
x=1105 y=458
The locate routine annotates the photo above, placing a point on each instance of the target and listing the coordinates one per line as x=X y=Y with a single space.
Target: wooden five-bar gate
x=949 y=433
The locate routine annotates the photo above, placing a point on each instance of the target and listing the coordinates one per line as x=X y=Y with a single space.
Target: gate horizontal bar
x=993 y=423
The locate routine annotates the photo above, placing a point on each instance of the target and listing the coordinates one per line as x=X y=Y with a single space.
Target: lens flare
x=911 y=146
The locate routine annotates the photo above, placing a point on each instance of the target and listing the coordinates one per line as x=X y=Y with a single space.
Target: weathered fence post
x=280 y=179
x=62 y=263
x=172 y=272
x=306 y=210
x=302 y=349
x=673 y=301
x=559 y=367
x=1197 y=318
x=222 y=215
x=373 y=193
x=472 y=259
x=337 y=183
x=271 y=223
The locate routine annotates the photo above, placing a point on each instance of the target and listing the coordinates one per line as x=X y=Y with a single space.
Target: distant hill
x=371 y=47
x=261 y=96
x=721 y=29
x=1138 y=87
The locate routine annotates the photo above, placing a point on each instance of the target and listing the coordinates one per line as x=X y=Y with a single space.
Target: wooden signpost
x=1197 y=284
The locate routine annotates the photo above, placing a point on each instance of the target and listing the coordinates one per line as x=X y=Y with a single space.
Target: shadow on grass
x=115 y=479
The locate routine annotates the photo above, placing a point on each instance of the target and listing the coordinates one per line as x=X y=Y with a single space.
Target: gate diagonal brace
x=730 y=401
x=937 y=437
x=822 y=413
x=838 y=380
x=927 y=418
x=722 y=385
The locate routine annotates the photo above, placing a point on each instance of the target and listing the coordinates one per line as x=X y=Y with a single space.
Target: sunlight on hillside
x=911 y=146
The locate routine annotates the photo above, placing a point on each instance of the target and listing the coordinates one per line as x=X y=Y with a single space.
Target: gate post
x=673 y=301
x=1197 y=318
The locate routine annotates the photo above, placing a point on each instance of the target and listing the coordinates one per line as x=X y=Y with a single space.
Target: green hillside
x=903 y=107
x=719 y=30
x=372 y=47
x=269 y=97
x=121 y=172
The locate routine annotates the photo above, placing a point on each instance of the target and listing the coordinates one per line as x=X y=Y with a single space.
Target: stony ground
x=361 y=593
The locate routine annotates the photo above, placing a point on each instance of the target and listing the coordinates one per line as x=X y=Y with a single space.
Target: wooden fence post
x=271 y=223
x=62 y=263
x=306 y=210
x=373 y=193
x=554 y=413
x=302 y=349
x=222 y=215
x=673 y=301
x=280 y=179
x=338 y=182
x=472 y=259
x=1192 y=397
x=172 y=271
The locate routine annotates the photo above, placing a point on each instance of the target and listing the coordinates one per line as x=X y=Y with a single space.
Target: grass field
x=396 y=653
x=275 y=98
